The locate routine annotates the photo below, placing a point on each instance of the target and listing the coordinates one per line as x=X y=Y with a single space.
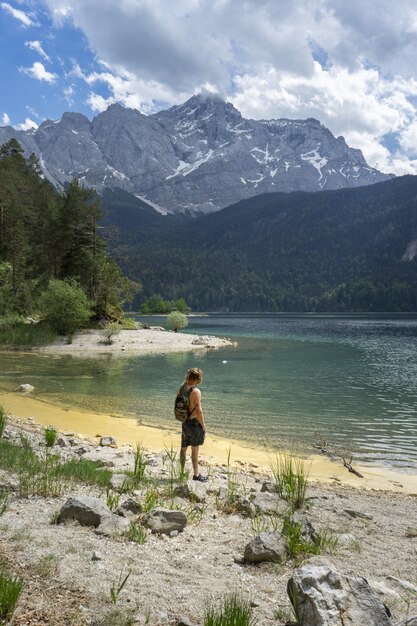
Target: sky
x=352 y=64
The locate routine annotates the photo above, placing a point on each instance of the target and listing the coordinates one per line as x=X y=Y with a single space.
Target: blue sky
x=352 y=65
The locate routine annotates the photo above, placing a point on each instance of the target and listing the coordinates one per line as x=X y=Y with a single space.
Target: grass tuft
x=233 y=611
x=10 y=590
x=50 y=435
x=136 y=534
x=141 y=463
x=3 y=420
x=290 y=478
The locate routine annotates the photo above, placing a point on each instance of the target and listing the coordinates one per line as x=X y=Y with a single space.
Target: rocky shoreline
x=198 y=541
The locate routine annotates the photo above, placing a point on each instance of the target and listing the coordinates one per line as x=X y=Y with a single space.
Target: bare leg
x=194 y=459
x=183 y=457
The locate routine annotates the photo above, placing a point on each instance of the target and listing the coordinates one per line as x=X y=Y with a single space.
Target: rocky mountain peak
x=201 y=155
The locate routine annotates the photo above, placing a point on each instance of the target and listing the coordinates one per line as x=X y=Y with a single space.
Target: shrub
x=50 y=435
x=10 y=590
x=65 y=306
x=110 y=331
x=234 y=611
x=176 y=320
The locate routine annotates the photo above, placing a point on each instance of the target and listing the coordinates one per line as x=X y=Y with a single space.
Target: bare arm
x=195 y=406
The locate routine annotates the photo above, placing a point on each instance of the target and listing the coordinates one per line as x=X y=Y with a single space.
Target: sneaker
x=200 y=478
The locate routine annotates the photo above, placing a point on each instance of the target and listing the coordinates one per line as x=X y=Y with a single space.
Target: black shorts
x=192 y=434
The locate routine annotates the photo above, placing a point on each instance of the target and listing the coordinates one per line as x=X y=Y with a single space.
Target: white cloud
x=39 y=72
x=128 y=90
x=36 y=46
x=23 y=17
x=28 y=124
x=261 y=55
x=5 y=120
x=69 y=92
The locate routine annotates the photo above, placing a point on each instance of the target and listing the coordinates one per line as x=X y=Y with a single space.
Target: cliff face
x=199 y=156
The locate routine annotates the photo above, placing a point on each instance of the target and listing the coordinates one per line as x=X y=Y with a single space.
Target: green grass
x=50 y=435
x=20 y=334
x=323 y=543
x=291 y=479
x=234 y=610
x=80 y=470
x=140 y=462
x=117 y=587
x=3 y=420
x=47 y=474
x=263 y=523
x=112 y=499
x=10 y=590
x=136 y=533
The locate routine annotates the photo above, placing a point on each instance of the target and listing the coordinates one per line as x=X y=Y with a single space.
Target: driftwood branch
x=348 y=465
x=334 y=451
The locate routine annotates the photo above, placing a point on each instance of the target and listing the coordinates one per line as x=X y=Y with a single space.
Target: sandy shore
x=215 y=450
x=141 y=341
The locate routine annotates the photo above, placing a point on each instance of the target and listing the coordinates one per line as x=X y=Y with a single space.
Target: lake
x=352 y=379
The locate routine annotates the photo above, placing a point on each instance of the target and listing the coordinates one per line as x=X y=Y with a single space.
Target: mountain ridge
x=199 y=156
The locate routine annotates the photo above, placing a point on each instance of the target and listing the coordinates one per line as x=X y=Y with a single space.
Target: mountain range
x=200 y=156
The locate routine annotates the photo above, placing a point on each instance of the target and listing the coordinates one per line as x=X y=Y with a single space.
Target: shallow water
x=352 y=378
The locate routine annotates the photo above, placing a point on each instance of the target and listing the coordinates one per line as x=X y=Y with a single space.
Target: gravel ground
x=141 y=341
x=176 y=576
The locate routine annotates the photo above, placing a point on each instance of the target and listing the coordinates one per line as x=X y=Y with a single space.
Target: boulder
x=164 y=521
x=267 y=502
x=112 y=526
x=121 y=482
x=323 y=597
x=192 y=490
x=108 y=442
x=268 y=546
x=129 y=507
x=62 y=442
x=268 y=485
x=85 y=510
x=25 y=388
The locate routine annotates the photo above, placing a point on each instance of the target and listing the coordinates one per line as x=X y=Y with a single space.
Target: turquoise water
x=353 y=379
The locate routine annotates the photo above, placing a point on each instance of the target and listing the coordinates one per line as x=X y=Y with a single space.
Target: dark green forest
x=339 y=250
x=46 y=235
x=345 y=250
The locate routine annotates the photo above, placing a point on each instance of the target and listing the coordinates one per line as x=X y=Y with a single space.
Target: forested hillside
x=345 y=250
x=46 y=235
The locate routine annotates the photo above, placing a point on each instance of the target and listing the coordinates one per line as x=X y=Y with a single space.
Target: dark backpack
x=182 y=400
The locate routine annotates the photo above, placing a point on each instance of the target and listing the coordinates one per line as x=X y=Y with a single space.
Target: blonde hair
x=194 y=376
